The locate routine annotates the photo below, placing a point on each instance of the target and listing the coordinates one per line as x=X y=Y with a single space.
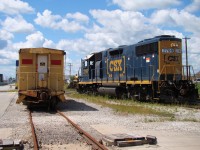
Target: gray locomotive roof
x=157 y=38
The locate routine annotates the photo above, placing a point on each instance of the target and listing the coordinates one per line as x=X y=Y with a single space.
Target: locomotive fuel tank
x=108 y=90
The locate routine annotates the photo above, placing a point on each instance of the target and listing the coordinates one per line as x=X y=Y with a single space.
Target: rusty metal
x=93 y=141
x=35 y=142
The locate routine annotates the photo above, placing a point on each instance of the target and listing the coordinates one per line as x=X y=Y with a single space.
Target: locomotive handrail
x=190 y=68
x=175 y=72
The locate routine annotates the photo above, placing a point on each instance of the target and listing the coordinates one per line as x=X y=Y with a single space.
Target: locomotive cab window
x=147 y=49
x=85 y=64
x=116 y=52
x=91 y=63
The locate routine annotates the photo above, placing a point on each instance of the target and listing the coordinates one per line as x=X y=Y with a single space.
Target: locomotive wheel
x=54 y=102
x=121 y=93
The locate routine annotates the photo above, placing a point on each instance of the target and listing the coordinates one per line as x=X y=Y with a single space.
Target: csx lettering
x=115 y=65
x=173 y=58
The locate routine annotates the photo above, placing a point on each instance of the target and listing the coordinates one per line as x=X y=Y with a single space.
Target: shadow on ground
x=72 y=105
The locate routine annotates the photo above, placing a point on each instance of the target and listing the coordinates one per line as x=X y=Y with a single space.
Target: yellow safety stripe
x=127 y=82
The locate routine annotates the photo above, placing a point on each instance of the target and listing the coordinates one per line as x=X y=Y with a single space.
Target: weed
x=124 y=106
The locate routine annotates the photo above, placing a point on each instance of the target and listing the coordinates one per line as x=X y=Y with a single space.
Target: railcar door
x=42 y=71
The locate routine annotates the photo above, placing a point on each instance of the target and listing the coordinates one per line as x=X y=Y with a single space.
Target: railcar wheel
x=53 y=103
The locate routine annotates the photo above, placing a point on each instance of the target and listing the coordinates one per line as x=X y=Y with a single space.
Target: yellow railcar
x=41 y=76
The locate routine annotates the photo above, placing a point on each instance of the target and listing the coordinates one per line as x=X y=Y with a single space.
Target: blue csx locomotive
x=149 y=70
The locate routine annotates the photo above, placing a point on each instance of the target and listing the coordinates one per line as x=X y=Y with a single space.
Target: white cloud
x=119 y=26
x=5 y=35
x=8 y=55
x=145 y=4
x=33 y=40
x=193 y=52
x=46 y=19
x=114 y=28
x=49 y=44
x=78 y=16
x=194 y=6
x=17 y=25
x=78 y=45
x=4 y=61
x=194 y=45
x=15 y=7
x=175 y=18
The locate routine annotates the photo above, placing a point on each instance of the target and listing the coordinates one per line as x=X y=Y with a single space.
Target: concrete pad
x=5 y=133
x=108 y=129
x=8 y=87
x=5 y=99
x=167 y=140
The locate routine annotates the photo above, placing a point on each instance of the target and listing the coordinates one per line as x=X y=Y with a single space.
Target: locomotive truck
x=41 y=76
x=150 y=70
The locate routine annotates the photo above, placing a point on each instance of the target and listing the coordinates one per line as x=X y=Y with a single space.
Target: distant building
x=1 y=77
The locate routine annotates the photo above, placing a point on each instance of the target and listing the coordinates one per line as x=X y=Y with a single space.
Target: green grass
x=124 y=106
x=198 y=87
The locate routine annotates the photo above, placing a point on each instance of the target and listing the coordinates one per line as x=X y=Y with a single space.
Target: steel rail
x=81 y=131
x=35 y=142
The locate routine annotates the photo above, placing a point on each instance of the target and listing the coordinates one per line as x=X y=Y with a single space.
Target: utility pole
x=70 y=68
x=186 y=53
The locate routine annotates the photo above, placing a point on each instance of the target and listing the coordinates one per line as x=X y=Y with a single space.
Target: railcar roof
x=42 y=50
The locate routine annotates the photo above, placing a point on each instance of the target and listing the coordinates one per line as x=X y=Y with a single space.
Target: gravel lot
x=55 y=133
x=15 y=123
x=101 y=121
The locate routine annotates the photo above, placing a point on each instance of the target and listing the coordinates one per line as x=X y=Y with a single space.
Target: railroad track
x=91 y=141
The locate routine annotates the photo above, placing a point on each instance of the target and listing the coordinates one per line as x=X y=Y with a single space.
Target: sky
x=81 y=27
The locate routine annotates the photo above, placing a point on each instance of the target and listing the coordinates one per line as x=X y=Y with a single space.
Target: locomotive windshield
x=116 y=52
